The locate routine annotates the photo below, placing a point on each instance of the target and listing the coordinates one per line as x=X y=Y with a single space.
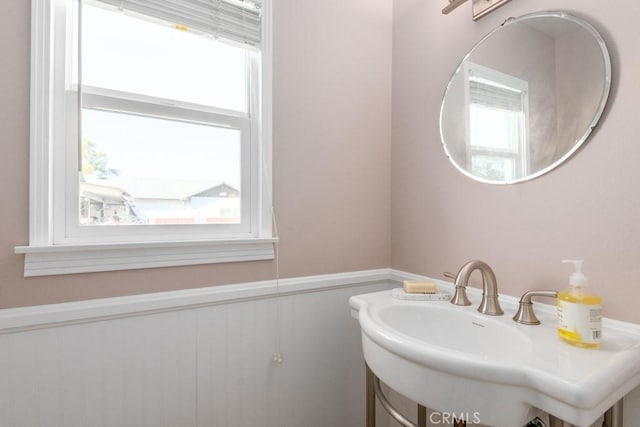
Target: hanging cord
x=79 y=100
x=277 y=356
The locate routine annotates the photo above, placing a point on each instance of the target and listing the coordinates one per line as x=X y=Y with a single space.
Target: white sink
x=453 y=359
x=467 y=332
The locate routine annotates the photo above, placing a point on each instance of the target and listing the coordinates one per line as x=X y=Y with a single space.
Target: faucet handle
x=525 y=314
x=450 y=275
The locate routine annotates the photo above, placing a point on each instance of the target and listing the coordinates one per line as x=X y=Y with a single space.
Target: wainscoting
x=200 y=357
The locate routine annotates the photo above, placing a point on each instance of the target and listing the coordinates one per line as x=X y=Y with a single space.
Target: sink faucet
x=489 y=304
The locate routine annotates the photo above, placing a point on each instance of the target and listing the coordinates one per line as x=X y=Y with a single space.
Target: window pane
x=124 y=53
x=494 y=128
x=142 y=170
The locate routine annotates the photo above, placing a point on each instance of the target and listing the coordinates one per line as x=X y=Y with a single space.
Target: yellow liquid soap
x=578 y=301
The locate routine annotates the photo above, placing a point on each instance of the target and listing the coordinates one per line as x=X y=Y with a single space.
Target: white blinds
x=237 y=20
x=493 y=96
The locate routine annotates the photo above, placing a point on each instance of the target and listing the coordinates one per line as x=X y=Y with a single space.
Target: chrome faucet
x=489 y=304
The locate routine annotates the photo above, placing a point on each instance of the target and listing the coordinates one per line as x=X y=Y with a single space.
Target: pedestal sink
x=490 y=368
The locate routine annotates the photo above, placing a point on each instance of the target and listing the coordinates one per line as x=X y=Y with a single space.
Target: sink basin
x=489 y=368
x=473 y=335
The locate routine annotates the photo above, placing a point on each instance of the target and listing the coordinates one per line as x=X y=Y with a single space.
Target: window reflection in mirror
x=497 y=136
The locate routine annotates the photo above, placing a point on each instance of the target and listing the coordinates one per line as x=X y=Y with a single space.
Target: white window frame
x=58 y=245
x=521 y=156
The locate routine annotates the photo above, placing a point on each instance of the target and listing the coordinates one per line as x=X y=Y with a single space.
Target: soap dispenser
x=579 y=311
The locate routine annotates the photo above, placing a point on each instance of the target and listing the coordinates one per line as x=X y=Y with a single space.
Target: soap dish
x=399 y=293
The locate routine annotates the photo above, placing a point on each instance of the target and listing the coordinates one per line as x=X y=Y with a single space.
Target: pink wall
x=589 y=208
x=333 y=157
x=331 y=138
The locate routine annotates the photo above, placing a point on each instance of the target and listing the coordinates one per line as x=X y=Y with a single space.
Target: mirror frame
x=580 y=141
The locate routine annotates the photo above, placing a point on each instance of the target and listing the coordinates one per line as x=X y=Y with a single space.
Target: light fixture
x=479 y=7
x=452 y=5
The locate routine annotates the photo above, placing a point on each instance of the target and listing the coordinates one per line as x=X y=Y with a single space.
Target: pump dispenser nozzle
x=577 y=278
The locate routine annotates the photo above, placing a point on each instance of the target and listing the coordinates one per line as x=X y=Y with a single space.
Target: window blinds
x=493 y=96
x=237 y=20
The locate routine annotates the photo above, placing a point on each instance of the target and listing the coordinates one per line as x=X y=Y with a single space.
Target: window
x=150 y=134
x=497 y=142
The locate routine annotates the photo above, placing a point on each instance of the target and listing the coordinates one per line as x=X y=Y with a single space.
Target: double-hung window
x=150 y=137
x=497 y=123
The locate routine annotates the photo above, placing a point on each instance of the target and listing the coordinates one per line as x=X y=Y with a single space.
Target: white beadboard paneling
x=235 y=343
x=320 y=382
x=323 y=367
x=138 y=371
x=159 y=370
x=197 y=358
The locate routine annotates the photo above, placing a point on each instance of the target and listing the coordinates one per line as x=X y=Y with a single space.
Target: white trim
x=68 y=259
x=54 y=315
x=149 y=106
x=40 y=130
x=265 y=202
x=252 y=241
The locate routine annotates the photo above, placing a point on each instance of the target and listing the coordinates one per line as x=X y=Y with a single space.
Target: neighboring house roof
x=103 y=193
x=162 y=188
x=220 y=190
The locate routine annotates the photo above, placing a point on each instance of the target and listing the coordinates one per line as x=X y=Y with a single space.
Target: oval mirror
x=525 y=98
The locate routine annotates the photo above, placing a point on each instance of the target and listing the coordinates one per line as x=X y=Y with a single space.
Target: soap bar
x=399 y=293
x=419 y=287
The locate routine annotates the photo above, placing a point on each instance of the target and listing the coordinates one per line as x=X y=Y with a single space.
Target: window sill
x=70 y=259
